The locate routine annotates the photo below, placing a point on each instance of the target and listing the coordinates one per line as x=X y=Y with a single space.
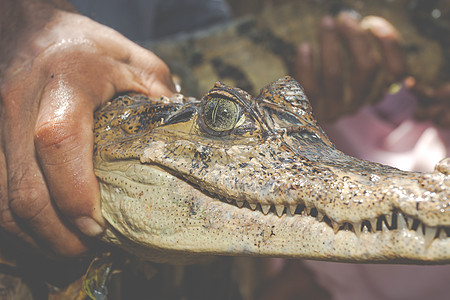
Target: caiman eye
x=220 y=114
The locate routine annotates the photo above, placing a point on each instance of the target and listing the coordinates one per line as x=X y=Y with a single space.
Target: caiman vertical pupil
x=220 y=114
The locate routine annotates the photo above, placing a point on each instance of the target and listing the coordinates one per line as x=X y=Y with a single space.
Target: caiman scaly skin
x=231 y=174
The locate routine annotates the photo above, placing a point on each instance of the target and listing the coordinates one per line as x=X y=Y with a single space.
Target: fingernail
x=88 y=226
x=380 y=26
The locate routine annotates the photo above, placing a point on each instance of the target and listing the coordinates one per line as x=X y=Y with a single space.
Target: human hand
x=61 y=68
x=357 y=62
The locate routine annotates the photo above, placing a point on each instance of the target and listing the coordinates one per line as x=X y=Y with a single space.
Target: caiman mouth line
x=384 y=223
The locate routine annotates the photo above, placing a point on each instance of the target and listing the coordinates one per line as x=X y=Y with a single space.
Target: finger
x=365 y=60
x=64 y=146
x=389 y=41
x=304 y=68
x=332 y=69
x=64 y=130
x=304 y=71
x=29 y=201
x=7 y=221
x=63 y=136
x=147 y=69
x=31 y=205
x=158 y=87
x=153 y=72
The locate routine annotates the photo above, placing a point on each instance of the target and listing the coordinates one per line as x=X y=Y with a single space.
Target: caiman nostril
x=444 y=166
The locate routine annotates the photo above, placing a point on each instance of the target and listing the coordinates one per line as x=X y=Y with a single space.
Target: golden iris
x=220 y=114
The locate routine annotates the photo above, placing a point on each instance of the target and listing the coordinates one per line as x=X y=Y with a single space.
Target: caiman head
x=233 y=174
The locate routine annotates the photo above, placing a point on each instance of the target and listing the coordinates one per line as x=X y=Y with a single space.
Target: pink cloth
x=387 y=133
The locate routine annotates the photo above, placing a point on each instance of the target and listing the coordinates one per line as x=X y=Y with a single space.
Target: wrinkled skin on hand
x=357 y=62
x=55 y=73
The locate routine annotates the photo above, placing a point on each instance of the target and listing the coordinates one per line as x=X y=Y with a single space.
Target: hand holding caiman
x=233 y=174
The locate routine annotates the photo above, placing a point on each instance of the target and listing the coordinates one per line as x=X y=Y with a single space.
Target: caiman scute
x=182 y=179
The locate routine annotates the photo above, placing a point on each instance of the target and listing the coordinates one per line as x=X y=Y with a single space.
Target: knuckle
x=53 y=135
x=27 y=203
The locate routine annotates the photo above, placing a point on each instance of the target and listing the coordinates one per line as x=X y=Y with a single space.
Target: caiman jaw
x=263 y=181
x=383 y=223
x=332 y=213
x=394 y=220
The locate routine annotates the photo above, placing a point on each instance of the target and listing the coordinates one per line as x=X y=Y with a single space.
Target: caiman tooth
x=308 y=209
x=253 y=206
x=304 y=212
x=335 y=226
x=419 y=230
x=384 y=227
x=240 y=204
x=365 y=229
x=442 y=234
x=265 y=208
x=290 y=209
x=279 y=209
x=320 y=216
x=357 y=229
x=388 y=218
x=401 y=223
x=410 y=222
x=373 y=225
x=430 y=233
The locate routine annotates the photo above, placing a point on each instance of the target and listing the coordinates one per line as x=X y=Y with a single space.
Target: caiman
x=230 y=174
x=183 y=179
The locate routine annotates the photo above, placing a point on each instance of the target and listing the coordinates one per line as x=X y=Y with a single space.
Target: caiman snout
x=233 y=174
